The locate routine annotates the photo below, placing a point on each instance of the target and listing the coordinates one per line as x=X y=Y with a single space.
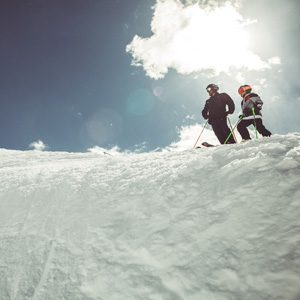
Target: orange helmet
x=244 y=89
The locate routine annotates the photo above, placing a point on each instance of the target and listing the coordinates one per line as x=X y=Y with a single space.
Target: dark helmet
x=212 y=87
x=244 y=89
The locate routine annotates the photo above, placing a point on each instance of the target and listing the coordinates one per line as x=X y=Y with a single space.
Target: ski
x=205 y=144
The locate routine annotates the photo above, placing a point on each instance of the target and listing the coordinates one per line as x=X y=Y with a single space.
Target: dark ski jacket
x=250 y=101
x=215 y=107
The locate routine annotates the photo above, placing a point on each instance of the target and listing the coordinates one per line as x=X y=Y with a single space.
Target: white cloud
x=214 y=3
x=190 y=117
x=141 y=147
x=99 y=150
x=193 y=38
x=263 y=82
x=188 y=136
x=274 y=60
x=240 y=78
x=38 y=145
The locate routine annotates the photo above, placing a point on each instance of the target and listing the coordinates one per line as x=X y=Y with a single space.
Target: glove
x=259 y=106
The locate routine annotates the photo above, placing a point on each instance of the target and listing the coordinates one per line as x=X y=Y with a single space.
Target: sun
x=213 y=39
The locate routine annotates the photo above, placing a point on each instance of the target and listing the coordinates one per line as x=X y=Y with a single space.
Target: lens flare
x=140 y=102
x=102 y=127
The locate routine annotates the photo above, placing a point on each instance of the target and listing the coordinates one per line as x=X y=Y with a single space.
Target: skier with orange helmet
x=251 y=108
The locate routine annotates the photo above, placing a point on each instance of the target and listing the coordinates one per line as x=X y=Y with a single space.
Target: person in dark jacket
x=215 y=110
x=251 y=108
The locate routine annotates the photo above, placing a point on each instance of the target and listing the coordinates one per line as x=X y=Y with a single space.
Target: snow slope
x=208 y=224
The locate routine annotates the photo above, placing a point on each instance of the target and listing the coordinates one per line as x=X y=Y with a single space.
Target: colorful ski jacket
x=250 y=101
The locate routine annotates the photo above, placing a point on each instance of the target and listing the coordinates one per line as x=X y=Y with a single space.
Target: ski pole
x=232 y=130
x=253 y=112
x=200 y=134
x=240 y=119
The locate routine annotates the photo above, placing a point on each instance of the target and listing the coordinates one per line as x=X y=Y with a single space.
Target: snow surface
x=208 y=224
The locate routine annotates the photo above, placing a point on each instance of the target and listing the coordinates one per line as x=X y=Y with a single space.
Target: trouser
x=222 y=130
x=242 y=128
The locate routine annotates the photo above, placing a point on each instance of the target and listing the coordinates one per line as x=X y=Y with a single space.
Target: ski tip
x=205 y=144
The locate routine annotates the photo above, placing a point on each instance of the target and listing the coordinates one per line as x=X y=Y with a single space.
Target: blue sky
x=67 y=79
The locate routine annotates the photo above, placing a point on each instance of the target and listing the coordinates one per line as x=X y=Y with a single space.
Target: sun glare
x=213 y=39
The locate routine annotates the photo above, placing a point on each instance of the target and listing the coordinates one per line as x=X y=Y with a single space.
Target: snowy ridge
x=208 y=224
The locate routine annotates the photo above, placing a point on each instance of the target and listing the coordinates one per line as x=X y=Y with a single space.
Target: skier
x=215 y=110
x=251 y=108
